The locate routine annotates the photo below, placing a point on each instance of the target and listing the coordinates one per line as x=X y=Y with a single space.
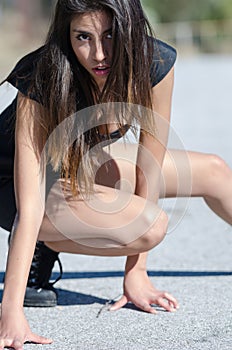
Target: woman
x=93 y=58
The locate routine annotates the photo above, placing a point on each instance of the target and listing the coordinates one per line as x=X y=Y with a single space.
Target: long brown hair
x=66 y=87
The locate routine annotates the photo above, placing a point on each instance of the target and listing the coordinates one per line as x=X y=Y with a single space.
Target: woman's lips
x=101 y=70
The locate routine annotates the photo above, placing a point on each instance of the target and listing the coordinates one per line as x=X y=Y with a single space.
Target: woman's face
x=91 y=39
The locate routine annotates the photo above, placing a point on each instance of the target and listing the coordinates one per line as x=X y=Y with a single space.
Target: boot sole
x=40 y=297
x=32 y=303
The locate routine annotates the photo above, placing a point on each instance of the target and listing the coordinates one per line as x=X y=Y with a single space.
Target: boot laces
x=41 y=267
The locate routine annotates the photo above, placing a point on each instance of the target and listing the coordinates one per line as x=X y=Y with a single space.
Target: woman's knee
x=215 y=174
x=217 y=165
x=154 y=234
x=217 y=170
x=157 y=231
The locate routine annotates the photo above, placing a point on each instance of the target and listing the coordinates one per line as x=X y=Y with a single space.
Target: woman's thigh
x=194 y=174
x=111 y=218
x=184 y=173
x=115 y=216
x=177 y=173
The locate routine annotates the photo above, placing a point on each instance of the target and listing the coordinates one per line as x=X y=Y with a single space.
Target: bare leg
x=211 y=178
x=112 y=223
x=207 y=176
x=185 y=174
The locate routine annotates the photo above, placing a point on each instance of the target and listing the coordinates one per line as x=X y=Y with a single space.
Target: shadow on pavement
x=161 y=273
x=67 y=297
x=70 y=298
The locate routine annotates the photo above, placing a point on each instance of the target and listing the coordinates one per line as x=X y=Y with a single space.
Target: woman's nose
x=99 y=52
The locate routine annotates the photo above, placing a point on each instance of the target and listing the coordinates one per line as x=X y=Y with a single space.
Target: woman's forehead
x=92 y=21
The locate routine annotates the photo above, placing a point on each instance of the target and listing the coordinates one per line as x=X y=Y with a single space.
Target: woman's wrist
x=136 y=262
x=9 y=309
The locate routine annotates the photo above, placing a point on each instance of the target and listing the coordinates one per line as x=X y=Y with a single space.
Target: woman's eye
x=109 y=36
x=83 y=37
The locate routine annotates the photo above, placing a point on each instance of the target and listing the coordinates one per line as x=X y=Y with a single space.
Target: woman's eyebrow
x=81 y=31
x=107 y=30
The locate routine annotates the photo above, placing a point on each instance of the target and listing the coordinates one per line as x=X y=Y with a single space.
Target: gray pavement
x=193 y=262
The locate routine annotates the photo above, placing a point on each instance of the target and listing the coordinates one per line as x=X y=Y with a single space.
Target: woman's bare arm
x=148 y=172
x=29 y=192
x=137 y=286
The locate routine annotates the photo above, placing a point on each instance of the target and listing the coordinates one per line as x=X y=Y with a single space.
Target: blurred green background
x=192 y=26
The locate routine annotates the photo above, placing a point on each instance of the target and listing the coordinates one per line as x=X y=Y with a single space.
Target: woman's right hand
x=15 y=331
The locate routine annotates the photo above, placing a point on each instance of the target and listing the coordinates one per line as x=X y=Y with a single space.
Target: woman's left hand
x=139 y=290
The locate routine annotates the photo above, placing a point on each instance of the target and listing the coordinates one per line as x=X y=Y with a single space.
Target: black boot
x=39 y=291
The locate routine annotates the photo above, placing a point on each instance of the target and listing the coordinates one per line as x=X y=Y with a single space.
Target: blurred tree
x=184 y=10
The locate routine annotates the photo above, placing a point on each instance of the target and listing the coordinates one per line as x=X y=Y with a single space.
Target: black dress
x=163 y=61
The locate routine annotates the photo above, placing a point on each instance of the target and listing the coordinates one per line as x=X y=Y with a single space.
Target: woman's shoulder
x=164 y=57
x=21 y=75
